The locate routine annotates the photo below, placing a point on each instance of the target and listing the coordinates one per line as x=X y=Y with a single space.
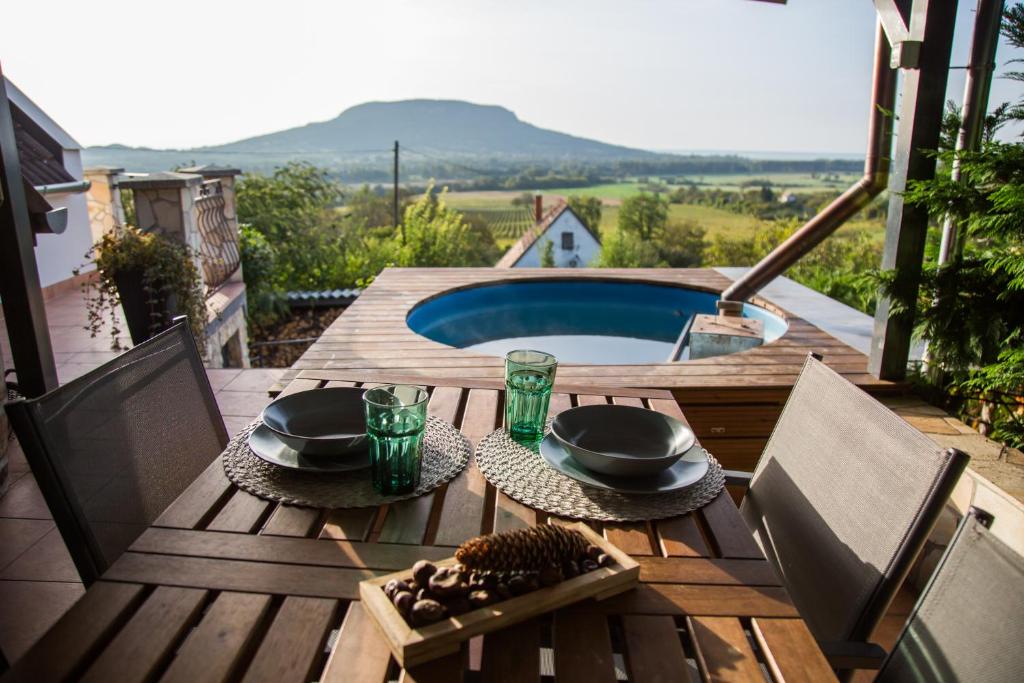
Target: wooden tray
x=412 y=646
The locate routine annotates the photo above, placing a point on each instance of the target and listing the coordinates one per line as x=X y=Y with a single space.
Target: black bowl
x=319 y=421
x=622 y=441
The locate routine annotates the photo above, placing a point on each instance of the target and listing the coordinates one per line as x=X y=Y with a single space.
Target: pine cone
x=534 y=548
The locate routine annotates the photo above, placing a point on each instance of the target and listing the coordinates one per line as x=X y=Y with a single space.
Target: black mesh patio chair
x=841 y=502
x=113 y=448
x=968 y=624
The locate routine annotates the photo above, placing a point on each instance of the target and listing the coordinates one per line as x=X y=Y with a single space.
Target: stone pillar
x=104 y=200
x=165 y=204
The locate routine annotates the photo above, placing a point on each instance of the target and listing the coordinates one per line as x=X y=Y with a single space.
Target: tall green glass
x=529 y=376
x=395 y=417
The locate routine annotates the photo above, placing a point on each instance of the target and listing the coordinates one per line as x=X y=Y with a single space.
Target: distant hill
x=445 y=129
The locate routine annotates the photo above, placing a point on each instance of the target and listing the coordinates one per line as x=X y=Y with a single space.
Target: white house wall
x=586 y=248
x=58 y=255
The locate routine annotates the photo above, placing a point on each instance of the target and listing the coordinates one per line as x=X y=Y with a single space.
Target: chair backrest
x=113 y=448
x=842 y=500
x=968 y=624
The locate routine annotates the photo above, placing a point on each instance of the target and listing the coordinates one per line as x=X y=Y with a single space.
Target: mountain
x=442 y=127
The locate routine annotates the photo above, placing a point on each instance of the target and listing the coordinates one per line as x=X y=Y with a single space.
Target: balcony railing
x=219 y=250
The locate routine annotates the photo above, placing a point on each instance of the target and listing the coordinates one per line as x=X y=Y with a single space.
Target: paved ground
x=38 y=581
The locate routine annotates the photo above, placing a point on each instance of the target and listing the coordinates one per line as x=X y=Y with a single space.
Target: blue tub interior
x=593 y=322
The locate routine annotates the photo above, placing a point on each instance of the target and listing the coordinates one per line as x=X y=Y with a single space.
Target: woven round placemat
x=445 y=453
x=522 y=474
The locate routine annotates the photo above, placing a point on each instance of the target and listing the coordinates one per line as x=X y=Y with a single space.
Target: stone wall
x=165 y=203
x=103 y=201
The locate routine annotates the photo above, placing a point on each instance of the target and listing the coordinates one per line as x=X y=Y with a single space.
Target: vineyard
x=505 y=223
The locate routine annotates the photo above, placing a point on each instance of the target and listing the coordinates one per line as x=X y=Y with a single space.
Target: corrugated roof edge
x=330 y=297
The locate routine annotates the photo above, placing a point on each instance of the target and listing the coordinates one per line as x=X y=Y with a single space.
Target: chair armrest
x=737 y=478
x=853 y=655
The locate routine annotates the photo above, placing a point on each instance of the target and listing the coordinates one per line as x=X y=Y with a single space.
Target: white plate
x=689 y=469
x=265 y=444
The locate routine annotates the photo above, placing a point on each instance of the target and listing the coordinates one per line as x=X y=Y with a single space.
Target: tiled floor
x=38 y=581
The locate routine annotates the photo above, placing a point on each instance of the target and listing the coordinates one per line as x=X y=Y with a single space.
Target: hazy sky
x=666 y=74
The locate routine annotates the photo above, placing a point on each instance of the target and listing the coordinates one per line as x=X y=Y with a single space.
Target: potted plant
x=151 y=278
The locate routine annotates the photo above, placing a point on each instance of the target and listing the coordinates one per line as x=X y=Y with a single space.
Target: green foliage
x=264 y=288
x=589 y=211
x=627 y=250
x=523 y=199
x=436 y=235
x=547 y=254
x=971 y=310
x=294 y=209
x=644 y=215
x=295 y=239
x=839 y=267
x=682 y=245
x=370 y=209
x=167 y=269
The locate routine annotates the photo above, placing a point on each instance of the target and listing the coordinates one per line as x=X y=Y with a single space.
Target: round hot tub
x=596 y=322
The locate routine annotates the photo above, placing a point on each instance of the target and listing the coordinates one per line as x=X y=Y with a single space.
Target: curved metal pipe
x=846 y=205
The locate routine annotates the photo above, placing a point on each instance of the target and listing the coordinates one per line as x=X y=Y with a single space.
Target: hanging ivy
x=167 y=270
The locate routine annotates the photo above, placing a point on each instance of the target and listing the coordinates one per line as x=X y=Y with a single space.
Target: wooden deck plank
x=723 y=652
x=680 y=537
x=407 y=520
x=790 y=651
x=242 y=513
x=214 y=651
x=149 y=637
x=233 y=575
x=291 y=520
x=631 y=537
x=701 y=600
x=462 y=515
x=560 y=401
x=450 y=668
x=702 y=570
x=512 y=654
x=583 y=647
x=510 y=514
x=360 y=654
x=352 y=524
x=730 y=532
x=294 y=642
x=284 y=550
x=653 y=651
x=193 y=506
x=297 y=385
x=66 y=648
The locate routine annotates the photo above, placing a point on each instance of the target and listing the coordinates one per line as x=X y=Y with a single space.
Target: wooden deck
x=733 y=401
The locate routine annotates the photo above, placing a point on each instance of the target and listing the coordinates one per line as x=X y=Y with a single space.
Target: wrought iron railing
x=218 y=240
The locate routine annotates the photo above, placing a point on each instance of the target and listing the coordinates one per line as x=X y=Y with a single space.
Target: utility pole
x=395 y=207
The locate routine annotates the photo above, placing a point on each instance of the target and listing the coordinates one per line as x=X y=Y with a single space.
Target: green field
x=718 y=222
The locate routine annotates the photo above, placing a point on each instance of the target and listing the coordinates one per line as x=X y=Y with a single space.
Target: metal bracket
x=905 y=37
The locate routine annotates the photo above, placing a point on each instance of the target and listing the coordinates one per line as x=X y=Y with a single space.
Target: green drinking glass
x=529 y=376
x=395 y=417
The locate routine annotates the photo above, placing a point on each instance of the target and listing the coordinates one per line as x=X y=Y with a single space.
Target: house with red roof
x=574 y=244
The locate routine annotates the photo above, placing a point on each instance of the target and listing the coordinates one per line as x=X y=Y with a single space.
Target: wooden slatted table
x=227 y=586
